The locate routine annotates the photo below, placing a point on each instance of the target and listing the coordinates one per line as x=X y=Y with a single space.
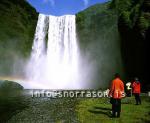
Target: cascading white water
x=54 y=63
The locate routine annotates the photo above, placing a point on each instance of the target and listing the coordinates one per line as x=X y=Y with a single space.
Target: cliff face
x=101 y=30
x=102 y=25
x=99 y=42
x=134 y=26
x=97 y=33
x=17 y=25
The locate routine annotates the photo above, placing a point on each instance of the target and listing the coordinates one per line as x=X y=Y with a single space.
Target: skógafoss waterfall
x=54 y=60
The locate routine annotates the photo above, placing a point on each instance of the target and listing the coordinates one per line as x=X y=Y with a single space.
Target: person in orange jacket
x=136 y=87
x=116 y=93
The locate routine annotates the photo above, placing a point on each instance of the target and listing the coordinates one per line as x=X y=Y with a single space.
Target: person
x=136 y=87
x=128 y=89
x=116 y=93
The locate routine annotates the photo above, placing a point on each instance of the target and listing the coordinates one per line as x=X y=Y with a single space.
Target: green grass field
x=98 y=111
x=20 y=108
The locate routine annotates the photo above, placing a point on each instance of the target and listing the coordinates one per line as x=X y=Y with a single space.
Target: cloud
x=86 y=2
x=51 y=1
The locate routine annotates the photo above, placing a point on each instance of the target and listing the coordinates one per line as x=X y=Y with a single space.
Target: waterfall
x=55 y=55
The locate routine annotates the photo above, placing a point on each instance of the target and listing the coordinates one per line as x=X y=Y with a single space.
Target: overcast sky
x=62 y=7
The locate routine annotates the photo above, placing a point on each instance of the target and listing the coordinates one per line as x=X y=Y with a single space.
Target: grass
x=98 y=111
x=17 y=107
x=11 y=103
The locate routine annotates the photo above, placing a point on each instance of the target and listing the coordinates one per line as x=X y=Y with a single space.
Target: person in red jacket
x=116 y=93
x=136 y=87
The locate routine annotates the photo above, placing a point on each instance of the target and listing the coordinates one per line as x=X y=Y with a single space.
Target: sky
x=62 y=7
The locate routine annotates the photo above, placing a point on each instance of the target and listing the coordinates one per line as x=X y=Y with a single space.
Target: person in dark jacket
x=136 y=87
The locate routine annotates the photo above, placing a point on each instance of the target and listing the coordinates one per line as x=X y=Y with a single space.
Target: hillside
x=99 y=42
x=134 y=29
x=17 y=25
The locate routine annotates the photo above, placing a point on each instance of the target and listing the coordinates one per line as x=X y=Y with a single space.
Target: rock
x=10 y=85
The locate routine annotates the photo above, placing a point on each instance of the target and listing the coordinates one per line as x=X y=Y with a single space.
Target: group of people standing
x=117 y=92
